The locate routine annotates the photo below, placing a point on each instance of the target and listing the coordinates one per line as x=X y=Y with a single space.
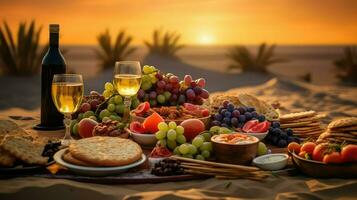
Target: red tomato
x=249 y=124
x=260 y=127
x=294 y=147
x=349 y=153
x=142 y=108
x=308 y=147
x=334 y=157
x=319 y=151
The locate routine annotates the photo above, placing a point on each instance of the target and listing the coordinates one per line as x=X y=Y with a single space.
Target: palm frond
x=165 y=44
x=243 y=59
x=109 y=53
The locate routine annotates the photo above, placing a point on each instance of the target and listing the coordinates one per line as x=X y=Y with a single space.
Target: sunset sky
x=200 y=21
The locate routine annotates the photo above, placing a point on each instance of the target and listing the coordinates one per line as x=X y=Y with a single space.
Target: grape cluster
x=167 y=167
x=50 y=149
x=166 y=89
x=230 y=116
x=279 y=137
x=169 y=135
x=200 y=148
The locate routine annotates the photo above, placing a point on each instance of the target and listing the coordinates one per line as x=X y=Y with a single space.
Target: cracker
x=297 y=115
x=348 y=121
x=315 y=118
x=340 y=135
x=300 y=124
x=106 y=151
x=24 y=149
x=346 y=128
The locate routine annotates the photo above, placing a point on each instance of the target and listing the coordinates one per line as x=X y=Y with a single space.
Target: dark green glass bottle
x=52 y=63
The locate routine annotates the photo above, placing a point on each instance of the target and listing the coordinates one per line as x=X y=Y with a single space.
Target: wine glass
x=127 y=80
x=67 y=94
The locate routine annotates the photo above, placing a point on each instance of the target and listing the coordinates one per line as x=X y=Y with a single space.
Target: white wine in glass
x=67 y=94
x=127 y=80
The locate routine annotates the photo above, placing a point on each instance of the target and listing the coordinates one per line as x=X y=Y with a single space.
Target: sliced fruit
x=142 y=108
x=190 y=106
x=250 y=124
x=137 y=127
x=260 y=127
x=159 y=152
x=151 y=122
x=85 y=127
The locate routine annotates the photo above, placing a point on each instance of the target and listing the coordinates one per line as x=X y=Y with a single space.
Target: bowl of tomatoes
x=325 y=160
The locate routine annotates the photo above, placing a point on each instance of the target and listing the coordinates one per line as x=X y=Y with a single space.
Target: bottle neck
x=54 y=37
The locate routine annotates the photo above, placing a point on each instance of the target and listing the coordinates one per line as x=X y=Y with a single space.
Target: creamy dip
x=235 y=138
x=272 y=159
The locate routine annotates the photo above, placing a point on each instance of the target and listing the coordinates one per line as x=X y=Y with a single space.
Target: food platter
x=95 y=171
x=20 y=169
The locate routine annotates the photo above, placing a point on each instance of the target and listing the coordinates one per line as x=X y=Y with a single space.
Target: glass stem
x=127 y=103
x=67 y=135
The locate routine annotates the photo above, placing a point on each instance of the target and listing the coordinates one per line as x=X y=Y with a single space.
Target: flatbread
x=10 y=127
x=297 y=115
x=344 y=122
x=106 y=151
x=67 y=156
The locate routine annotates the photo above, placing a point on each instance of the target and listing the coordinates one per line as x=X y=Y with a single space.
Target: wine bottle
x=52 y=63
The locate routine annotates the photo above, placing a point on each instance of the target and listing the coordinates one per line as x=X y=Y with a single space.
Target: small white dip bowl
x=271 y=162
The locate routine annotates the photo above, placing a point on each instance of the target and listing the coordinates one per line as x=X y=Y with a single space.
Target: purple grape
x=224 y=125
x=226 y=120
x=173 y=97
x=275 y=125
x=160 y=91
x=225 y=103
x=220 y=109
x=274 y=140
x=161 y=84
x=158 y=76
x=228 y=114
x=193 y=84
x=146 y=97
x=204 y=94
x=141 y=94
x=248 y=116
x=223 y=111
x=290 y=139
x=282 y=143
x=250 y=109
x=198 y=100
x=197 y=90
x=218 y=117
x=241 y=118
x=261 y=118
x=152 y=95
x=283 y=135
x=255 y=114
x=234 y=121
x=175 y=91
x=240 y=124
x=230 y=107
x=242 y=110
x=168 y=87
x=235 y=113
x=289 y=131
x=181 y=99
x=190 y=94
x=216 y=123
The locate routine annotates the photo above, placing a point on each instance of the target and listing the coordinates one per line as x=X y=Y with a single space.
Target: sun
x=206 y=39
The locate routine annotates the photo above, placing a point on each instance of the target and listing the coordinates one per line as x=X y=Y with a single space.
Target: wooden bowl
x=241 y=154
x=321 y=170
x=205 y=120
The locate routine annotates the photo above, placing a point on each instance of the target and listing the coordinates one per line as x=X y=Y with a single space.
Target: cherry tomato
x=334 y=157
x=294 y=147
x=319 y=151
x=308 y=147
x=349 y=153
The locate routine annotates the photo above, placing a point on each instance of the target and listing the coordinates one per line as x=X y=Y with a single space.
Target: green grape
x=75 y=129
x=200 y=157
x=188 y=156
x=172 y=125
x=93 y=117
x=120 y=108
x=115 y=117
x=153 y=79
x=206 y=154
x=161 y=99
x=73 y=122
x=135 y=103
x=88 y=114
x=262 y=149
x=153 y=69
x=180 y=139
x=171 y=135
x=111 y=107
x=206 y=146
x=180 y=130
x=167 y=95
x=224 y=130
x=107 y=94
x=176 y=151
x=184 y=149
x=171 y=144
x=162 y=143
x=80 y=116
x=214 y=129
x=111 y=100
x=105 y=119
x=163 y=126
x=146 y=86
x=198 y=141
x=193 y=149
x=118 y=99
x=104 y=113
x=108 y=86
x=145 y=78
x=147 y=69
x=207 y=135
x=160 y=135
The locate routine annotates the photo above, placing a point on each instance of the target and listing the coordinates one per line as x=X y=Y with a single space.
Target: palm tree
x=347 y=66
x=110 y=53
x=21 y=57
x=164 y=44
x=246 y=61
